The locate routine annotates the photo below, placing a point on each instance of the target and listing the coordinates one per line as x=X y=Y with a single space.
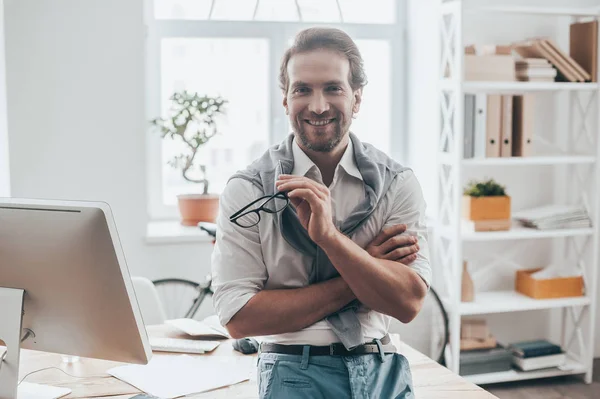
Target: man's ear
x=357 y=101
x=285 y=104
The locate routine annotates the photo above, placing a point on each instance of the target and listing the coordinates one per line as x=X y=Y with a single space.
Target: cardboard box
x=486 y=208
x=474 y=328
x=489 y=68
x=467 y=344
x=561 y=287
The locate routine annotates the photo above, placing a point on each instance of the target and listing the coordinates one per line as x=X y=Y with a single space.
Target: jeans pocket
x=295 y=383
x=265 y=377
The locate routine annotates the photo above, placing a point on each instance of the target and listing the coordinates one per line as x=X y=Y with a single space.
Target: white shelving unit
x=577 y=313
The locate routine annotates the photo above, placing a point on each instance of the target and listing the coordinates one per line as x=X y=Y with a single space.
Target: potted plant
x=193 y=121
x=485 y=200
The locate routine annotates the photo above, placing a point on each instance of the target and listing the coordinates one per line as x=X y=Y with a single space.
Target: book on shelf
x=567 y=68
x=480 y=361
x=498 y=125
x=539 y=362
x=535 y=69
x=534 y=348
x=506 y=126
x=523 y=124
x=552 y=217
x=583 y=48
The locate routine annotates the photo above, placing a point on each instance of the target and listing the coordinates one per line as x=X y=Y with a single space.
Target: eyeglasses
x=249 y=215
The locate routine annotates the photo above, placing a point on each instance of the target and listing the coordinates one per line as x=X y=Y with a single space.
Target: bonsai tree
x=488 y=188
x=193 y=121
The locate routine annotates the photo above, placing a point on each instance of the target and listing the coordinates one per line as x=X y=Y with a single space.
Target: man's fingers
x=407 y=259
x=295 y=183
x=388 y=233
x=292 y=178
x=396 y=242
x=309 y=196
x=402 y=252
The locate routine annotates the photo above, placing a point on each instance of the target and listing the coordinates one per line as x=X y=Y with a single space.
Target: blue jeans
x=356 y=377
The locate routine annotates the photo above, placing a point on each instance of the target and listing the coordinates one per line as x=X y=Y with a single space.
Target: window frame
x=276 y=33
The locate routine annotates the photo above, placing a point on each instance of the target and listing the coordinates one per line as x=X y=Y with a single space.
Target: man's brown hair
x=327 y=39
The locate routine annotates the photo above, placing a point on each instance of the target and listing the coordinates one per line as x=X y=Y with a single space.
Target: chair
x=182 y=297
x=149 y=301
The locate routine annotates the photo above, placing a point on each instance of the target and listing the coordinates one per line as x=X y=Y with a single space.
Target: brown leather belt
x=336 y=349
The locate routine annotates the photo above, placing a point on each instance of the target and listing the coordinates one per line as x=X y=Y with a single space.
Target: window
x=232 y=49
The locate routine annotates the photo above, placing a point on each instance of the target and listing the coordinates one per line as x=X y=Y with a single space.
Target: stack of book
x=481 y=361
x=535 y=70
x=535 y=355
x=552 y=217
x=568 y=69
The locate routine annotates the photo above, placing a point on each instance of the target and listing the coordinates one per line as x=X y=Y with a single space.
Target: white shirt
x=248 y=260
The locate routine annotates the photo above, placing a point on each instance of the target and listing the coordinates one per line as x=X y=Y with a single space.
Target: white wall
x=4 y=162
x=75 y=89
x=424 y=121
x=76 y=118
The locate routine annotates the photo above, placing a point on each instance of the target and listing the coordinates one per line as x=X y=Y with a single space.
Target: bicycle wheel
x=181 y=298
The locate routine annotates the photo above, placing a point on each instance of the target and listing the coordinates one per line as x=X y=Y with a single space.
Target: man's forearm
x=385 y=286
x=289 y=310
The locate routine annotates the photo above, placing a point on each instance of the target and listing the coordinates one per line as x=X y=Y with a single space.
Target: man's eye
x=300 y=90
x=335 y=88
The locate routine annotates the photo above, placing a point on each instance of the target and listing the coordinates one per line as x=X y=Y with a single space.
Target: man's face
x=319 y=100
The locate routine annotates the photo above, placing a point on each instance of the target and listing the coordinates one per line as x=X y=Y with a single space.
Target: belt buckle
x=331 y=349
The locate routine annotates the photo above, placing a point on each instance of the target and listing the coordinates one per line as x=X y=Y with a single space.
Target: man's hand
x=313 y=205
x=391 y=245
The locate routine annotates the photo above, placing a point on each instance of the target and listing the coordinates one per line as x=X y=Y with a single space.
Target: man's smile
x=319 y=122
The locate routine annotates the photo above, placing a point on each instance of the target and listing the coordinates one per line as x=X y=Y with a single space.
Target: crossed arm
x=378 y=275
x=290 y=310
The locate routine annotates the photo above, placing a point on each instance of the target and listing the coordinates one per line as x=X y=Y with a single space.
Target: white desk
x=431 y=381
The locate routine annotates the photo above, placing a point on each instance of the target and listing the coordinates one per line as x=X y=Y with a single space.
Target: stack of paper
x=209 y=327
x=174 y=376
x=554 y=217
x=535 y=70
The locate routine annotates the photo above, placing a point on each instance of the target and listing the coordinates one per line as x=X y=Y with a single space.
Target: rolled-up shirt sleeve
x=238 y=268
x=409 y=208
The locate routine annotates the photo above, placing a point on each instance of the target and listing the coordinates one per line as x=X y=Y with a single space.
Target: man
x=320 y=278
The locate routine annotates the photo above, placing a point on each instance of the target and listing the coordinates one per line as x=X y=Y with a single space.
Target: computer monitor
x=62 y=262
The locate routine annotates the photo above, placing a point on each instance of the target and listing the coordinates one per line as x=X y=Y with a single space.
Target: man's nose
x=318 y=104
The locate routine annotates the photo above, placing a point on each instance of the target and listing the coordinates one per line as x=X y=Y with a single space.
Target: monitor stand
x=11 y=324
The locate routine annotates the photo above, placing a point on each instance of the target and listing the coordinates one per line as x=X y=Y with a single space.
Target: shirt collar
x=303 y=164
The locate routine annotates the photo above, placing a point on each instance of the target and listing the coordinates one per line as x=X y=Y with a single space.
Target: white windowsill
x=172 y=232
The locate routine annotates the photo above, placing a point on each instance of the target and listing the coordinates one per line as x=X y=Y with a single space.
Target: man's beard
x=327 y=146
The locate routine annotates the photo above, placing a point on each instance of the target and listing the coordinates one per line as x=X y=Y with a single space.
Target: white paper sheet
x=195 y=328
x=180 y=375
x=27 y=390
x=161 y=344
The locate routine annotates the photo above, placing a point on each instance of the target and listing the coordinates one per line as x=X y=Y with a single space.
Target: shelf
x=542 y=10
x=517 y=232
x=569 y=368
x=512 y=301
x=514 y=87
x=532 y=160
x=448 y=159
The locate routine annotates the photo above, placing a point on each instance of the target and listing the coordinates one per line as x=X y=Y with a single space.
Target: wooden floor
x=550 y=388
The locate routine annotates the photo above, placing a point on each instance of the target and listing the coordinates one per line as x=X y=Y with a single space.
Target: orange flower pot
x=486 y=208
x=196 y=208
